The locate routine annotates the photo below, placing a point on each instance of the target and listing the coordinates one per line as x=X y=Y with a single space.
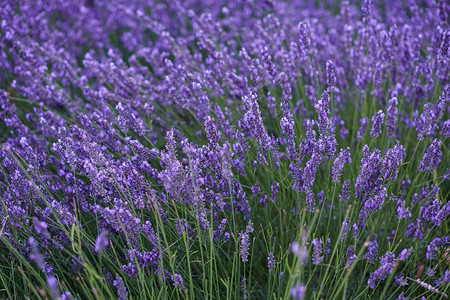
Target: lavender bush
x=224 y=149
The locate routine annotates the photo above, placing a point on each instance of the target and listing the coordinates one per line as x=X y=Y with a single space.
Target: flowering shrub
x=224 y=149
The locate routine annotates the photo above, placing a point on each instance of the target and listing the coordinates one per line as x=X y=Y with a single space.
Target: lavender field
x=212 y=149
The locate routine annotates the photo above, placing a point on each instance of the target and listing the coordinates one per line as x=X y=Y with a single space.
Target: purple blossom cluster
x=387 y=263
x=343 y=157
x=431 y=157
x=145 y=135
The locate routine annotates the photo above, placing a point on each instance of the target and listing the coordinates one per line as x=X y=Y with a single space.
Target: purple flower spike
x=351 y=257
x=121 y=289
x=362 y=129
x=431 y=158
x=387 y=263
x=304 y=39
x=344 y=229
x=299 y=251
x=298 y=292
x=245 y=244
x=432 y=248
x=53 y=284
x=391 y=117
x=323 y=110
x=345 y=193
x=101 y=242
x=35 y=255
x=377 y=122
x=401 y=280
x=445 y=131
x=331 y=76
x=405 y=254
x=317 y=258
x=271 y=263
x=372 y=255
x=211 y=131
x=41 y=228
x=402 y=210
x=392 y=161
x=427 y=122
x=343 y=158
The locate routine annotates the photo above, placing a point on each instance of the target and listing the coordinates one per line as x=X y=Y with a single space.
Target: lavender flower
x=271 y=263
x=443 y=49
x=127 y=120
x=328 y=247
x=377 y=122
x=430 y=272
x=343 y=157
x=323 y=110
x=345 y=193
x=372 y=255
x=405 y=254
x=252 y=123
x=272 y=104
x=401 y=280
x=255 y=189
x=344 y=131
x=351 y=257
x=270 y=68
x=244 y=287
x=115 y=112
x=392 y=161
x=432 y=248
x=41 y=228
x=375 y=201
x=445 y=131
x=317 y=258
x=446 y=276
x=387 y=263
x=220 y=230
x=331 y=75
x=310 y=201
x=177 y=280
x=36 y=256
x=304 y=39
x=431 y=158
x=121 y=289
x=245 y=244
x=366 y=8
x=182 y=227
x=101 y=242
x=402 y=210
x=367 y=179
x=300 y=251
x=426 y=123
x=211 y=131
x=344 y=229
x=298 y=292
x=249 y=227
x=274 y=188
x=310 y=170
x=362 y=128
x=53 y=284
x=391 y=117
x=287 y=126
x=447 y=174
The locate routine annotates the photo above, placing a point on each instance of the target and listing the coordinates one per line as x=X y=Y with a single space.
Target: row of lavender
x=221 y=149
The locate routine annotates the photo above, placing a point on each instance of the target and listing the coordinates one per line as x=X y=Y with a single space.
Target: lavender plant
x=224 y=150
